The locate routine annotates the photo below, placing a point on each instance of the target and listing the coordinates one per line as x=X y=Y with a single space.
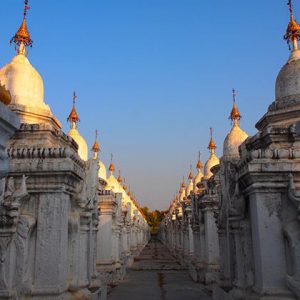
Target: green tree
x=153 y=218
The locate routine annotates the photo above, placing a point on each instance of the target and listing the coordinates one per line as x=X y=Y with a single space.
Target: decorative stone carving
x=9 y=123
x=10 y=201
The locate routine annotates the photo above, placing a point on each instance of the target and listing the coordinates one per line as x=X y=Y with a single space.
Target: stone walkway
x=155 y=275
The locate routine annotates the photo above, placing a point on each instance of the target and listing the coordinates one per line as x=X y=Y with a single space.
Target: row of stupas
x=26 y=88
x=67 y=229
x=236 y=227
x=231 y=144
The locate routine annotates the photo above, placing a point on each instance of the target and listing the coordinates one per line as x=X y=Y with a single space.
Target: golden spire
x=111 y=166
x=191 y=173
x=183 y=183
x=129 y=193
x=292 y=34
x=124 y=185
x=96 y=147
x=22 y=38
x=212 y=145
x=73 y=116
x=235 y=115
x=119 y=177
x=180 y=189
x=199 y=163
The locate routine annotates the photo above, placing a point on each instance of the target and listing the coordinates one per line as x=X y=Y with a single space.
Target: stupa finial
x=111 y=166
x=22 y=38
x=191 y=176
x=96 y=147
x=199 y=163
x=290 y=8
x=124 y=184
x=73 y=116
x=129 y=192
x=235 y=115
x=183 y=183
x=119 y=177
x=212 y=145
x=292 y=34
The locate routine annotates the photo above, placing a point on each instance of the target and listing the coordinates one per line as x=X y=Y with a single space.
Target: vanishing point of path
x=156 y=275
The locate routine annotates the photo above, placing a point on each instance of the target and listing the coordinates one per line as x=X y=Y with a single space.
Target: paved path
x=155 y=275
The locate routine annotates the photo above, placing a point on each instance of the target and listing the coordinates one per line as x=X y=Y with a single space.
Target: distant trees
x=153 y=218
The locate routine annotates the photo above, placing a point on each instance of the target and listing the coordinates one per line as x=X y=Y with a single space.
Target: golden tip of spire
x=293 y=30
x=191 y=175
x=119 y=177
x=111 y=166
x=73 y=116
x=183 y=183
x=199 y=163
x=22 y=36
x=235 y=114
x=212 y=144
x=96 y=147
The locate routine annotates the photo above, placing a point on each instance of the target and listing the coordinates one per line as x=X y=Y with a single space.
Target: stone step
x=157 y=268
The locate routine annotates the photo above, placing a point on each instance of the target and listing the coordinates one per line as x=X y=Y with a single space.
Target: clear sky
x=153 y=75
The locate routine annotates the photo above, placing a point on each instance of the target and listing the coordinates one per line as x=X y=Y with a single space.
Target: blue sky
x=153 y=75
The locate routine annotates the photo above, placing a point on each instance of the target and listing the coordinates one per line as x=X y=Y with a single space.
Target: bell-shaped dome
x=198 y=178
x=102 y=170
x=236 y=136
x=190 y=186
x=288 y=79
x=24 y=83
x=199 y=175
x=213 y=159
x=82 y=145
x=284 y=111
x=233 y=140
x=73 y=118
x=114 y=185
x=182 y=190
x=211 y=162
x=112 y=182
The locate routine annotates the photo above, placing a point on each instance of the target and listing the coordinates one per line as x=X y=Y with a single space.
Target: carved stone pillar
x=264 y=179
x=107 y=203
x=211 y=243
x=268 y=246
x=84 y=252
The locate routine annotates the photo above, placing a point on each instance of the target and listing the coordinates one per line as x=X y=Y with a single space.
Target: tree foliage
x=153 y=218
